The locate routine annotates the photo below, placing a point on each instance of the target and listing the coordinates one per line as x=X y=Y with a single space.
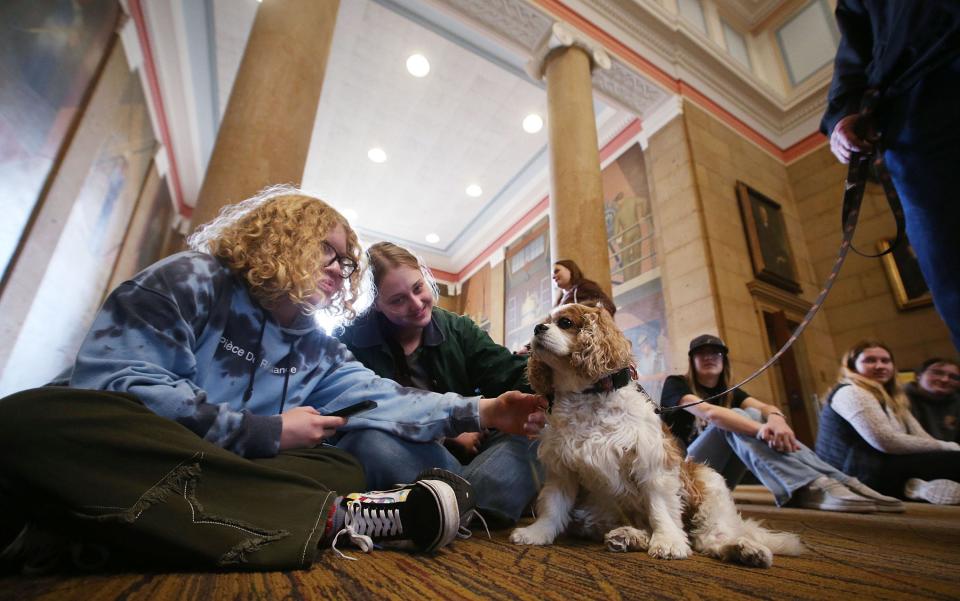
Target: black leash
x=853 y=189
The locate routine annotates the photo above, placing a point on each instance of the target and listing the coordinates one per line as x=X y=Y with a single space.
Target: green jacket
x=457 y=355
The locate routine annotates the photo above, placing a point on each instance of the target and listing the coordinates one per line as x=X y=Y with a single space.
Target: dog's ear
x=601 y=347
x=539 y=375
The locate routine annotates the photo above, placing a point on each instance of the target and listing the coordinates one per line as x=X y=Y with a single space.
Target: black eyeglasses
x=347 y=265
x=935 y=371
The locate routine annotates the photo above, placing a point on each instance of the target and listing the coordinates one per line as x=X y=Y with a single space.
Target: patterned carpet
x=883 y=556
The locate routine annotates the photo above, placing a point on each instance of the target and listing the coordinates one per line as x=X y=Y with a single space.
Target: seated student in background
x=404 y=337
x=189 y=432
x=739 y=432
x=867 y=430
x=575 y=288
x=935 y=398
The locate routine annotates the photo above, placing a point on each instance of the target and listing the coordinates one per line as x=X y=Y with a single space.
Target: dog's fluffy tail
x=781 y=543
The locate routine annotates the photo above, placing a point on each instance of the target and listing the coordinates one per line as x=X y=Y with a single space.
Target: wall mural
x=528 y=287
x=49 y=54
x=627 y=213
x=73 y=285
x=641 y=316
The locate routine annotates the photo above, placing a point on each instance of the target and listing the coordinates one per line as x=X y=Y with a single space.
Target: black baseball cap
x=707 y=340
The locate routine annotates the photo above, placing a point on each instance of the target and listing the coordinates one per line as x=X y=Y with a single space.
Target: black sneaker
x=465 y=499
x=423 y=515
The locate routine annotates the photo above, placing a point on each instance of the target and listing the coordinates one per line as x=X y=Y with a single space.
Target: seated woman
x=744 y=433
x=578 y=289
x=406 y=338
x=191 y=430
x=866 y=429
x=935 y=398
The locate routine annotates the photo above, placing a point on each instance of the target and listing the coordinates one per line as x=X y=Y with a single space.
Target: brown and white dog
x=613 y=469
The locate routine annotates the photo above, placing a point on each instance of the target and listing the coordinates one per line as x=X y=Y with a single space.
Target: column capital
x=562 y=35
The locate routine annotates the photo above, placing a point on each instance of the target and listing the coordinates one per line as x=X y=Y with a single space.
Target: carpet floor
x=881 y=556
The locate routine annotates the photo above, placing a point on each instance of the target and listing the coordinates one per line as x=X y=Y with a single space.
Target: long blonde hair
x=889 y=394
x=274 y=241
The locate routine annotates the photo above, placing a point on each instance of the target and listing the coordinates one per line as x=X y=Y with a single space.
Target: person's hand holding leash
x=846 y=140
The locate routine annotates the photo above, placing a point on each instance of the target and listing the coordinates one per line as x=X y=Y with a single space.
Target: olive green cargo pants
x=101 y=467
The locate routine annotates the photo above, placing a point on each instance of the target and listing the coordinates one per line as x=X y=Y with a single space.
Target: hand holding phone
x=353 y=409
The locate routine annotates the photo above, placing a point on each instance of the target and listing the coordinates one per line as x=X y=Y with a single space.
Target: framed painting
x=909 y=289
x=767 y=238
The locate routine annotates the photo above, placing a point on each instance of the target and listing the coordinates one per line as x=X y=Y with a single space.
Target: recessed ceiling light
x=350 y=215
x=532 y=123
x=377 y=155
x=474 y=190
x=433 y=238
x=418 y=65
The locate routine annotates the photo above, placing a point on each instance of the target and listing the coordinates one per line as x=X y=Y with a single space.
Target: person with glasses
x=192 y=429
x=405 y=337
x=737 y=432
x=867 y=429
x=935 y=398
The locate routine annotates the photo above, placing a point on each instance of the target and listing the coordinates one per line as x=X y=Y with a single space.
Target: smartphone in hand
x=353 y=409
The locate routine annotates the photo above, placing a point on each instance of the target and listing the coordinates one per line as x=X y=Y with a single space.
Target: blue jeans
x=731 y=454
x=506 y=475
x=922 y=142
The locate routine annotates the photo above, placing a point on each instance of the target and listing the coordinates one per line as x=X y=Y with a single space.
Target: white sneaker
x=883 y=502
x=938 y=492
x=826 y=494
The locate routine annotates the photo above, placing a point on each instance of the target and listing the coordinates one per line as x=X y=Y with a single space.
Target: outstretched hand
x=514 y=412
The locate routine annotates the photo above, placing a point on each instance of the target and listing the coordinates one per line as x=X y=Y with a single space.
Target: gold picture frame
x=909 y=289
x=770 y=251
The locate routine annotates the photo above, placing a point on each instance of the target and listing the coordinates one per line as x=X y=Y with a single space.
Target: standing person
x=739 y=432
x=866 y=429
x=909 y=52
x=406 y=338
x=935 y=398
x=575 y=288
x=189 y=432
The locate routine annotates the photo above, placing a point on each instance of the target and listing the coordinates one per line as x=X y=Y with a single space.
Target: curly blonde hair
x=274 y=241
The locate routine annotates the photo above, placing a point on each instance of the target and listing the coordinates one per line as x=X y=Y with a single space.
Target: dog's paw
x=748 y=553
x=627 y=538
x=531 y=535
x=665 y=546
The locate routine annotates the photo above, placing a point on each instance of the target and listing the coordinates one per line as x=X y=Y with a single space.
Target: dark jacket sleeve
x=589 y=293
x=850 y=66
x=492 y=368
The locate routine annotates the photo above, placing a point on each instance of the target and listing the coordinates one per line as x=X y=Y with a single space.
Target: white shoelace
x=464 y=533
x=361 y=524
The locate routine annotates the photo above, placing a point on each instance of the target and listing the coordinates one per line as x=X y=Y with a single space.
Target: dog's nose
x=541 y=327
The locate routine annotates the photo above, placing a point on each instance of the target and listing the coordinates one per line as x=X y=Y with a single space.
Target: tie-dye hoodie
x=187 y=339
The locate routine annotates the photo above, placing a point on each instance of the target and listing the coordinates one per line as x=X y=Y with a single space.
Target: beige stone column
x=577 y=228
x=265 y=133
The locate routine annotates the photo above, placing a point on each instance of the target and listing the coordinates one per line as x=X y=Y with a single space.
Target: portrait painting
x=767 y=239
x=909 y=289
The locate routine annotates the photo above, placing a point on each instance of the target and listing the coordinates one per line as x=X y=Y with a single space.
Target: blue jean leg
x=923 y=152
x=388 y=460
x=781 y=473
x=711 y=448
x=506 y=476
